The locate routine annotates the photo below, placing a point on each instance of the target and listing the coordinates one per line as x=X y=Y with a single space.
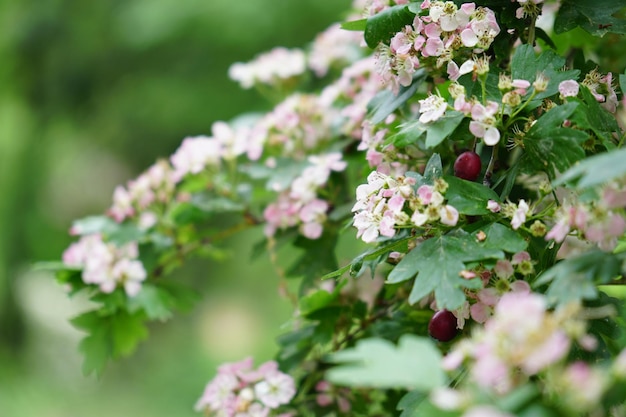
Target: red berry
x=467 y=166
x=442 y=326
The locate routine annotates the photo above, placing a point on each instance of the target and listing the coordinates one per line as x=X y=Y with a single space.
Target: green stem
x=531 y=32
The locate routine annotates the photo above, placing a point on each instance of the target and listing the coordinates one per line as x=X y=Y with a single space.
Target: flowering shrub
x=483 y=168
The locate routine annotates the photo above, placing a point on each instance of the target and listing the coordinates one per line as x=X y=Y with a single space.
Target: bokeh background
x=92 y=93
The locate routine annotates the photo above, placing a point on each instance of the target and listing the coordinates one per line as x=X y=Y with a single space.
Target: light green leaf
x=595 y=170
x=355 y=25
x=502 y=237
x=93 y=224
x=575 y=279
x=415 y=363
x=156 y=302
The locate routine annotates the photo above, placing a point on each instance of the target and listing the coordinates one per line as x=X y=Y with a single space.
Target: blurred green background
x=91 y=94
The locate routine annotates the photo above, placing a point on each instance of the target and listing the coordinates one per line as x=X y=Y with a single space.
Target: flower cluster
x=156 y=185
x=522 y=338
x=106 y=265
x=387 y=203
x=601 y=222
x=333 y=46
x=271 y=68
x=444 y=33
x=238 y=390
x=300 y=205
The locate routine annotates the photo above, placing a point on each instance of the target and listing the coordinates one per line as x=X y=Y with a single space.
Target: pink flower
x=483 y=121
x=568 y=88
x=493 y=206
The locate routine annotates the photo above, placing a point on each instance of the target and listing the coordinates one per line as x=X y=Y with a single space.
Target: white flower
x=277 y=388
x=519 y=217
x=448 y=215
x=432 y=108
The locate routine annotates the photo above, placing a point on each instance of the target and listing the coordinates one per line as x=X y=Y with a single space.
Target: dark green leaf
x=318 y=257
x=439 y=130
x=551 y=147
x=384 y=25
x=386 y=247
x=469 y=197
x=413 y=363
x=592 y=116
x=437 y=263
x=109 y=337
x=595 y=16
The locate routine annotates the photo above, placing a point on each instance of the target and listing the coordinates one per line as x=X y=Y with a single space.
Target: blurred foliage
x=91 y=93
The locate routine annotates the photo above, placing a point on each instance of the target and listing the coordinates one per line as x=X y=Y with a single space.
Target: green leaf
x=526 y=64
x=551 y=147
x=409 y=404
x=386 y=102
x=505 y=238
x=108 y=337
x=592 y=116
x=156 y=302
x=96 y=349
x=383 y=26
x=318 y=257
x=125 y=233
x=317 y=300
x=594 y=16
x=93 y=224
x=433 y=170
x=355 y=267
x=356 y=25
x=469 y=197
x=211 y=203
x=437 y=263
x=574 y=279
x=412 y=407
x=439 y=130
x=413 y=364
x=595 y=170
x=126 y=332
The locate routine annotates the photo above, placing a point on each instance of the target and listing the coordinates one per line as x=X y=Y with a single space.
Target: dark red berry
x=467 y=166
x=442 y=326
